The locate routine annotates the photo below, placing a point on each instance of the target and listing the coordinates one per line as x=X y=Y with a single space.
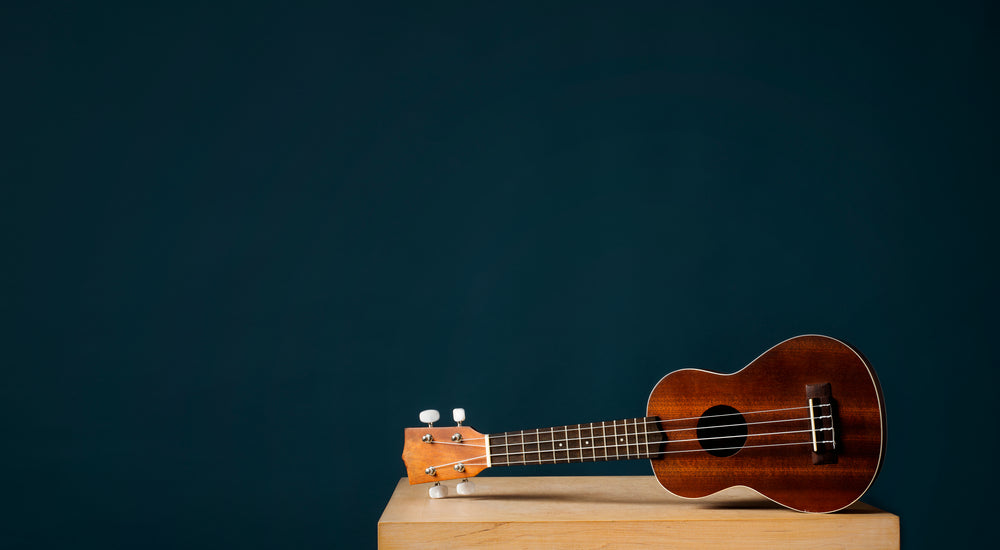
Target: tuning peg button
x=458 y=415
x=438 y=491
x=430 y=416
x=466 y=487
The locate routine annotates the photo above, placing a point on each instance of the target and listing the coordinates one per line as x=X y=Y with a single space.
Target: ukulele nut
x=456 y=438
x=459 y=467
x=427 y=438
x=430 y=471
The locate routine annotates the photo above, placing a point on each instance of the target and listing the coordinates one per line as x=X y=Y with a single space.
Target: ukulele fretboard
x=614 y=440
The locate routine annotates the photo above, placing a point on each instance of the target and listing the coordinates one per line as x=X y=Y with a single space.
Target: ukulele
x=803 y=424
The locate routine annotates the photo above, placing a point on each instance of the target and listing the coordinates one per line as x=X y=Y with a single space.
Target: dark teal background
x=244 y=244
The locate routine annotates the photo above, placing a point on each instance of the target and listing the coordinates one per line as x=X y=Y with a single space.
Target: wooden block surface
x=616 y=512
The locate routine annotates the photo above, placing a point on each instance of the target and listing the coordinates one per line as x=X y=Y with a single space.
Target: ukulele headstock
x=439 y=454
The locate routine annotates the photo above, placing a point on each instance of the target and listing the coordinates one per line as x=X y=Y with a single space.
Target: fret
x=640 y=434
x=604 y=440
x=645 y=435
x=574 y=444
x=515 y=452
x=574 y=449
x=619 y=449
x=592 y=444
x=590 y=439
x=622 y=441
x=623 y=438
x=625 y=441
x=613 y=440
x=530 y=447
x=635 y=437
x=544 y=446
x=653 y=437
x=579 y=440
x=614 y=424
x=628 y=440
x=600 y=451
x=559 y=439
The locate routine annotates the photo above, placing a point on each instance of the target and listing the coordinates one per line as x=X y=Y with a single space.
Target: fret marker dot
x=622 y=439
x=560 y=444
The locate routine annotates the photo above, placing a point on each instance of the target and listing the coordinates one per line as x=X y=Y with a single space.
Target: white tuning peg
x=458 y=415
x=438 y=491
x=466 y=487
x=430 y=416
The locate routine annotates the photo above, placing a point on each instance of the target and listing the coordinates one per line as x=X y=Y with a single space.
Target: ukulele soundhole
x=722 y=431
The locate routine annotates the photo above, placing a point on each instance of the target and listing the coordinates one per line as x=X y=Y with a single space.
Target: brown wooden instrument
x=803 y=424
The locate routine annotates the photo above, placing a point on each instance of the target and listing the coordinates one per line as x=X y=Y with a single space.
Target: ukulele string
x=627 y=444
x=734 y=425
x=648 y=455
x=645 y=422
x=638 y=445
x=635 y=434
x=647 y=432
x=462 y=461
x=736 y=413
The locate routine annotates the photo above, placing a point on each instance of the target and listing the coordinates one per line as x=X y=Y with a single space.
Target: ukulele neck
x=631 y=438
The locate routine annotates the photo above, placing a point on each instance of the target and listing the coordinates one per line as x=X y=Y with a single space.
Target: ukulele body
x=755 y=449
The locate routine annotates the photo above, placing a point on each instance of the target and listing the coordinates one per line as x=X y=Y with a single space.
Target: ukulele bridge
x=822 y=421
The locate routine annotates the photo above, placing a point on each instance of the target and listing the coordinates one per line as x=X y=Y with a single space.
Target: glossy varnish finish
x=776 y=380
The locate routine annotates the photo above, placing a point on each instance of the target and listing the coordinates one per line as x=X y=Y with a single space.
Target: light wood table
x=616 y=512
